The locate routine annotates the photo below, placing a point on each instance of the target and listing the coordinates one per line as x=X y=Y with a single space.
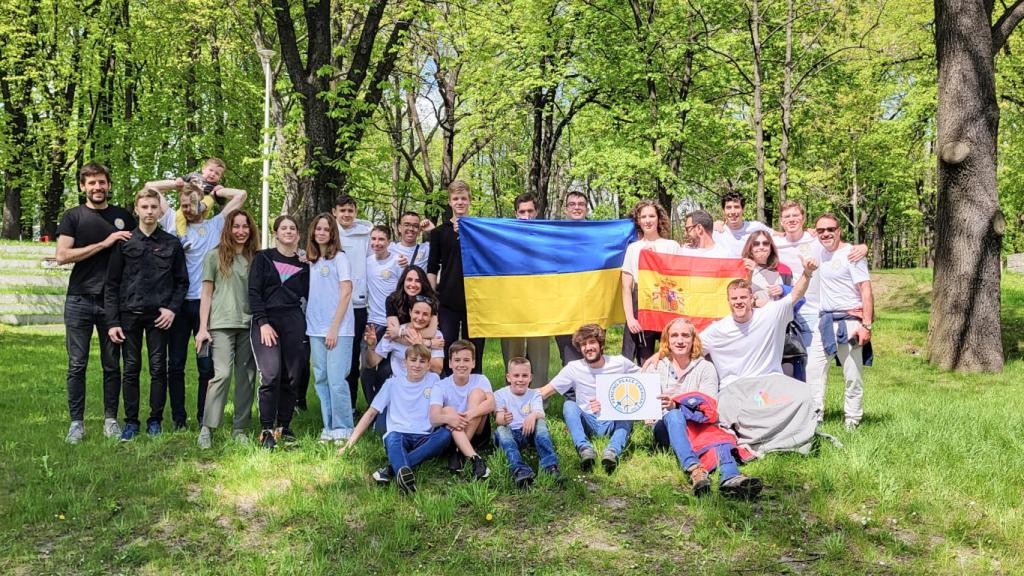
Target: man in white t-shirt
x=733 y=234
x=536 y=348
x=408 y=250
x=845 y=318
x=581 y=414
x=700 y=241
x=355 y=240
x=382 y=272
x=201 y=236
x=577 y=207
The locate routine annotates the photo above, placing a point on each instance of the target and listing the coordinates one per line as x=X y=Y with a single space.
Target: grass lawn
x=931 y=483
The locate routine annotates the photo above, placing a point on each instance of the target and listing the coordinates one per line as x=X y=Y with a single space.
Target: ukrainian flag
x=671 y=286
x=542 y=277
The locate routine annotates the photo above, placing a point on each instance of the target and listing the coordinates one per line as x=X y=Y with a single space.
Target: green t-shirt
x=230 y=306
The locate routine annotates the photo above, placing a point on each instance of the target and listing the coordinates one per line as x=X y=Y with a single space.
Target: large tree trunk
x=787 y=105
x=757 y=117
x=964 y=331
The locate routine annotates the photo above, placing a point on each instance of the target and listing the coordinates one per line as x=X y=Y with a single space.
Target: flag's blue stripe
x=505 y=247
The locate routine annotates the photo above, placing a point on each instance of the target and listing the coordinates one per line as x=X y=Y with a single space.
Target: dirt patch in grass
x=900 y=292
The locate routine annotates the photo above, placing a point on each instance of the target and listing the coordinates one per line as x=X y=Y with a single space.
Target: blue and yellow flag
x=542 y=277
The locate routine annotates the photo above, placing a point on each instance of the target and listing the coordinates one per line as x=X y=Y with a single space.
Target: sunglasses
x=764 y=243
x=829 y=230
x=422 y=298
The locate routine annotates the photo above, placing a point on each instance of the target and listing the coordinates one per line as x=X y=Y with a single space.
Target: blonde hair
x=695 y=352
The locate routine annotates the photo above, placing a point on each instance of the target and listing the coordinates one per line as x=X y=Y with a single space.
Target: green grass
x=931 y=483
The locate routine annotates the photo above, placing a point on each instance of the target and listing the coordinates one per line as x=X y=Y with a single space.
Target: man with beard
x=85 y=235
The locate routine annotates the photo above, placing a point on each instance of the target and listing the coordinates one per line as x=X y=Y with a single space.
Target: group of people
x=344 y=303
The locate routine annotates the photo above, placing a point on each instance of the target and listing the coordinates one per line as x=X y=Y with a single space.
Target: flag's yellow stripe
x=560 y=302
x=694 y=295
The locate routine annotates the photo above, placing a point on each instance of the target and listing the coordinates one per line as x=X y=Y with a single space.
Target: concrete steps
x=32 y=286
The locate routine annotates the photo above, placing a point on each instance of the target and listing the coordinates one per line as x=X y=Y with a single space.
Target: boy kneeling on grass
x=410 y=438
x=520 y=420
x=463 y=402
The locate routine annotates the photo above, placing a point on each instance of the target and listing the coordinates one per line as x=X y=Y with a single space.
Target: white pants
x=852 y=360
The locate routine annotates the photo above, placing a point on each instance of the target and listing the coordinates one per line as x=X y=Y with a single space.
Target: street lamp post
x=265 y=56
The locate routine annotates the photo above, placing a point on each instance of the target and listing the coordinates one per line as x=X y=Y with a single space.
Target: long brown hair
x=664 y=224
x=773 y=254
x=226 y=249
x=333 y=243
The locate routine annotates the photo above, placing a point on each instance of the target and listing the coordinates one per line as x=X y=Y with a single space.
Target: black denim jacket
x=145 y=273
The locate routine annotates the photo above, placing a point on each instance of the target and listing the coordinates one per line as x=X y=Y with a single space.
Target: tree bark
x=757 y=115
x=786 y=104
x=964 y=330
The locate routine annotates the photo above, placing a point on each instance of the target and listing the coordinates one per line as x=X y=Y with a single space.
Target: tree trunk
x=964 y=331
x=757 y=115
x=787 y=105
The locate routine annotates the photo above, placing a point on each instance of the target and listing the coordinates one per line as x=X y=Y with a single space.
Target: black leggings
x=281 y=367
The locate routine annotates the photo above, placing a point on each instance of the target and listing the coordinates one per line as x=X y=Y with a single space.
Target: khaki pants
x=537 y=349
x=852 y=360
x=231 y=353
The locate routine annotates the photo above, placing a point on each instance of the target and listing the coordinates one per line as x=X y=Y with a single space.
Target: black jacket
x=268 y=293
x=145 y=273
x=446 y=259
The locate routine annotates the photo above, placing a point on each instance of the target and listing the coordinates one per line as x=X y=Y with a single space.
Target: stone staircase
x=32 y=286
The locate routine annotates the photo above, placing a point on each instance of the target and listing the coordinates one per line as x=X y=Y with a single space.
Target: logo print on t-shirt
x=525 y=409
x=202 y=231
x=325 y=270
x=385 y=274
x=119 y=223
x=286 y=270
x=426 y=392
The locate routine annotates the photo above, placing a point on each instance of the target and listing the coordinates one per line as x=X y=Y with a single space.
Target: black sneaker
x=555 y=472
x=587 y=458
x=382 y=475
x=480 y=469
x=742 y=487
x=288 y=437
x=610 y=460
x=267 y=439
x=406 y=480
x=456 y=461
x=181 y=425
x=523 y=478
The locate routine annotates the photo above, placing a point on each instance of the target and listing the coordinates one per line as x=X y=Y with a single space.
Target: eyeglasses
x=576 y=204
x=764 y=243
x=829 y=230
x=410 y=224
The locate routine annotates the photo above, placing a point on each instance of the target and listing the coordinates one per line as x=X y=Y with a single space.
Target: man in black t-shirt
x=85 y=235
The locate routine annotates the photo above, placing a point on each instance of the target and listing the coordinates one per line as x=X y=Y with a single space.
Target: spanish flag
x=671 y=286
x=542 y=277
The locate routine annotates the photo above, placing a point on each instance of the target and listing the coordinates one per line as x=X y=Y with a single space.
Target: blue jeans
x=411 y=449
x=511 y=441
x=582 y=426
x=670 y=431
x=186 y=323
x=330 y=368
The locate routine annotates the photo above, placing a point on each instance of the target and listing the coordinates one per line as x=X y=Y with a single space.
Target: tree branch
x=1003 y=27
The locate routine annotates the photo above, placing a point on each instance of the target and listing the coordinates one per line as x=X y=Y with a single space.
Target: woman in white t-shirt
x=330 y=325
x=768 y=275
x=653 y=229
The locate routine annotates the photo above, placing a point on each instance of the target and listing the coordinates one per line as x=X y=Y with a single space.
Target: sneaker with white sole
x=406 y=480
x=741 y=487
x=205 y=438
x=111 y=429
x=326 y=436
x=382 y=475
x=76 y=432
x=609 y=460
x=480 y=469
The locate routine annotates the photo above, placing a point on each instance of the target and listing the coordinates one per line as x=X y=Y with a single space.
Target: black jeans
x=282 y=367
x=186 y=323
x=83 y=313
x=450 y=321
x=135 y=326
x=360 y=316
x=566 y=350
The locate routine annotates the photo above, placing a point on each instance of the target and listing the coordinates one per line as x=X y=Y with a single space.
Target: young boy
x=411 y=438
x=464 y=403
x=145 y=289
x=520 y=419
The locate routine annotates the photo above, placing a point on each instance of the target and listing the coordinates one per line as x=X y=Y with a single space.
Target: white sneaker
x=341 y=434
x=205 y=438
x=111 y=429
x=76 y=432
x=326 y=436
x=240 y=436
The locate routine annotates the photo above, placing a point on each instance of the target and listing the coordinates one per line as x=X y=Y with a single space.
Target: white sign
x=629 y=396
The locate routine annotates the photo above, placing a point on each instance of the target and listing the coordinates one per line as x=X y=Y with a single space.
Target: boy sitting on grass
x=520 y=420
x=463 y=403
x=410 y=438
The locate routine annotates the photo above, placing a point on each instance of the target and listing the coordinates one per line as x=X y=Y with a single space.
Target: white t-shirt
x=421 y=256
x=761 y=279
x=407 y=404
x=199 y=239
x=632 y=259
x=451 y=394
x=520 y=406
x=753 y=348
x=397 y=350
x=324 y=295
x=381 y=279
x=579 y=375
x=715 y=251
x=839 y=279
x=733 y=240
x=789 y=254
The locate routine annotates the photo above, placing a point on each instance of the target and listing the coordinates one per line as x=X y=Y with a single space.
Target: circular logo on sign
x=525 y=409
x=325 y=270
x=119 y=223
x=627 y=395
